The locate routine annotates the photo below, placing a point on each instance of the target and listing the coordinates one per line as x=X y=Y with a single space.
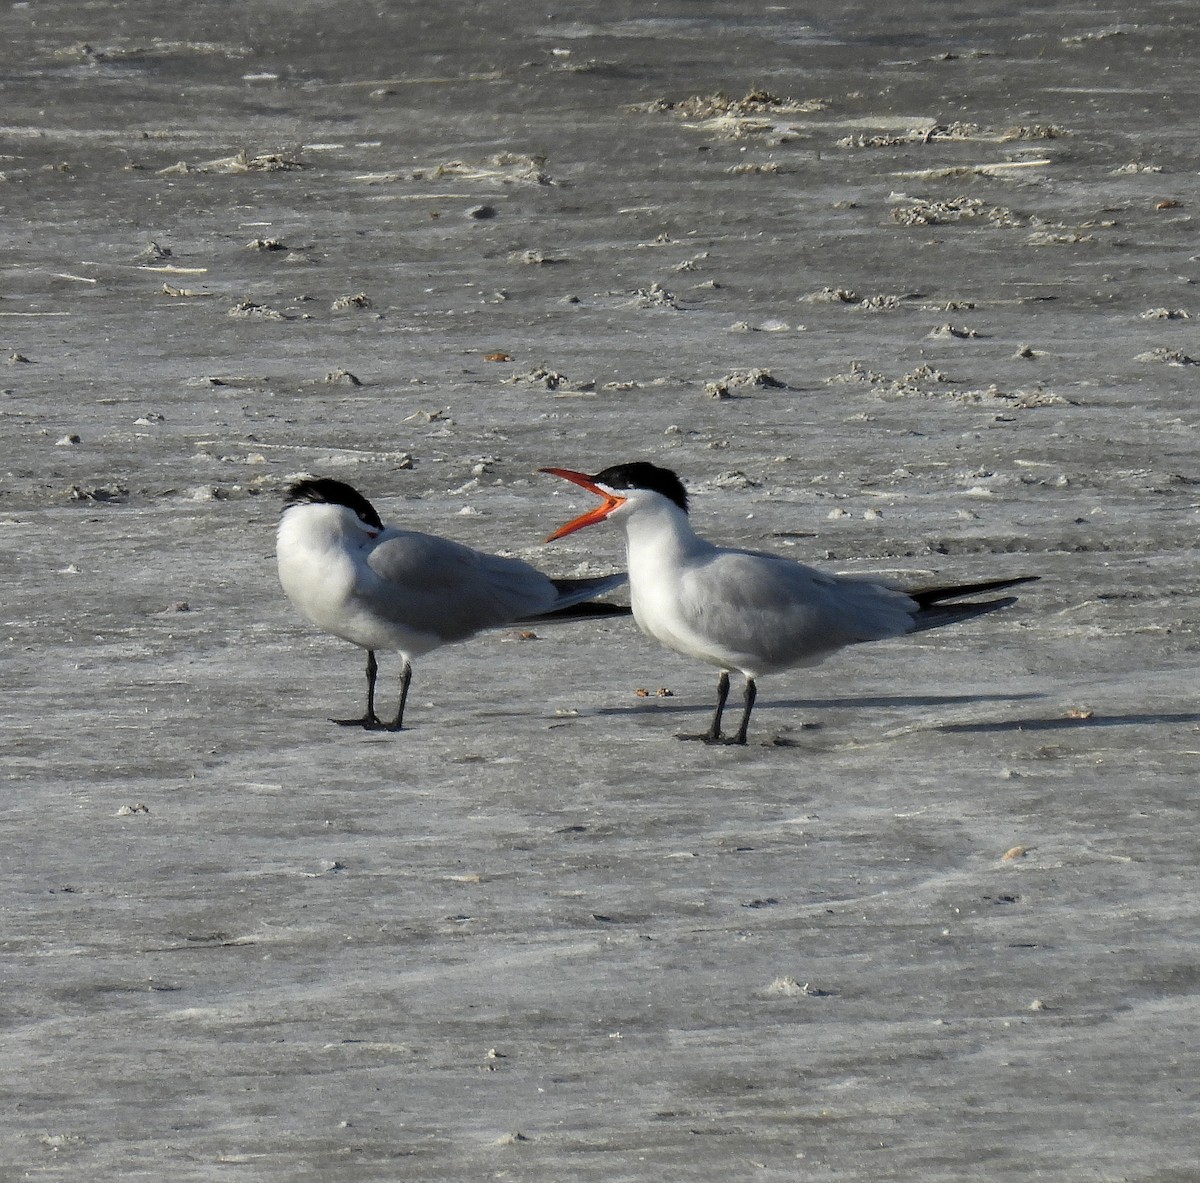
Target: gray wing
x=442 y=587
x=784 y=613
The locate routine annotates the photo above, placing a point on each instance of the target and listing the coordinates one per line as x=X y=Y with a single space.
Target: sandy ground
x=926 y=305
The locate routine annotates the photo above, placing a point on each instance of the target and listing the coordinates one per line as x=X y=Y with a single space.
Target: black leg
x=405 y=678
x=370 y=720
x=372 y=673
x=751 y=695
x=713 y=734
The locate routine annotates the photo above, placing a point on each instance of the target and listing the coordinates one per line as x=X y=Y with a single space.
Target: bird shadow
x=868 y=702
x=880 y=702
x=1070 y=723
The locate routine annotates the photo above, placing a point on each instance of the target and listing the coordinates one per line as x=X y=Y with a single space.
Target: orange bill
x=611 y=501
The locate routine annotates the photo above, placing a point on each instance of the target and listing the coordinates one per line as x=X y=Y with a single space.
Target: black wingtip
x=588 y=610
x=937 y=615
x=928 y=596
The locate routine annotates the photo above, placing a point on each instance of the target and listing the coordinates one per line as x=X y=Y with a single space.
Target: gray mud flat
x=916 y=296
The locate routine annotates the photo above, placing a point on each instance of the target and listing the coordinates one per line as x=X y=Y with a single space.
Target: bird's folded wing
x=452 y=588
x=783 y=607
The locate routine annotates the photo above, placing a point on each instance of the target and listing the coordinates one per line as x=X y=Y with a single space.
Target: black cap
x=324 y=491
x=640 y=474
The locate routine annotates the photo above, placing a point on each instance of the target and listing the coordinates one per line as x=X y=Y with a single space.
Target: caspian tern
x=747 y=610
x=384 y=588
